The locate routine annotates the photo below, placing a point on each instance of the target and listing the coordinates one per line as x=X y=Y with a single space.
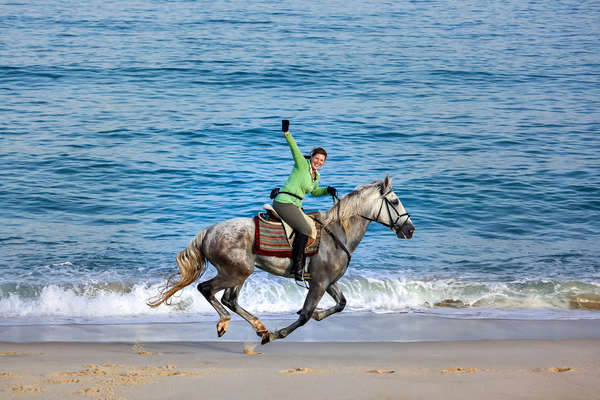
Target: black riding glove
x=331 y=190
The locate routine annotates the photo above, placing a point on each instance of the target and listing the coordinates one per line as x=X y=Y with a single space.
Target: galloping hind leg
x=227 y=247
x=315 y=292
x=230 y=299
x=208 y=290
x=340 y=302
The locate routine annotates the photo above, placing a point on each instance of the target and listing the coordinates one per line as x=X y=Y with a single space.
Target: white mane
x=352 y=204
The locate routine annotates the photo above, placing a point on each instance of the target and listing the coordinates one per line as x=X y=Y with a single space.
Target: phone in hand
x=285 y=125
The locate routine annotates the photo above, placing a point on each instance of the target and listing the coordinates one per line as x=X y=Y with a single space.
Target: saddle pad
x=269 y=240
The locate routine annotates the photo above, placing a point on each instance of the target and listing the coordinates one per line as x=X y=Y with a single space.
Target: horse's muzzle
x=406 y=231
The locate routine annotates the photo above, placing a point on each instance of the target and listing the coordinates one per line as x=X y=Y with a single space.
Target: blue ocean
x=126 y=127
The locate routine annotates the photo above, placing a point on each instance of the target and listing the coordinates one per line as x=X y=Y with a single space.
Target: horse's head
x=386 y=208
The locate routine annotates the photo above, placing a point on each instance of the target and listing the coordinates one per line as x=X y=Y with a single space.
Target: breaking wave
x=265 y=295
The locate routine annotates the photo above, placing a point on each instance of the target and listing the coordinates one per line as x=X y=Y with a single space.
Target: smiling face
x=317 y=161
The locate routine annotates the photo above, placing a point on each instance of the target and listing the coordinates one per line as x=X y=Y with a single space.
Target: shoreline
x=533 y=369
x=337 y=328
x=344 y=357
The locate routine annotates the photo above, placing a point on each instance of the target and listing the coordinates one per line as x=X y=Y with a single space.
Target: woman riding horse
x=288 y=203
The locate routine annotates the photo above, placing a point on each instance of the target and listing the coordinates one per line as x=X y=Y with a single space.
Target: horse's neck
x=355 y=233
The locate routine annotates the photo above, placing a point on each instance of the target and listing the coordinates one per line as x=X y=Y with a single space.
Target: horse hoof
x=222 y=327
x=266 y=338
x=260 y=328
x=261 y=333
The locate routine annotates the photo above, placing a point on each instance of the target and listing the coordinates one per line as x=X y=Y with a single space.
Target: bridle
x=389 y=207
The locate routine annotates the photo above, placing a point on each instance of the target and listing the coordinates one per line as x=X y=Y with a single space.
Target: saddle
x=274 y=237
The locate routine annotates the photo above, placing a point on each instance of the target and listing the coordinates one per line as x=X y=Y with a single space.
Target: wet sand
x=344 y=327
x=528 y=369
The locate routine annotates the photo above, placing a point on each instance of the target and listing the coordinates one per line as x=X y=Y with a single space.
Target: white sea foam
x=267 y=295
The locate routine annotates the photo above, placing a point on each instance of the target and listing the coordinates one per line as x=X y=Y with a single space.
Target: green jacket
x=300 y=181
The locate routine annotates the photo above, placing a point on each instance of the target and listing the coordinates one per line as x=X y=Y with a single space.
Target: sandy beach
x=494 y=369
x=139 y=140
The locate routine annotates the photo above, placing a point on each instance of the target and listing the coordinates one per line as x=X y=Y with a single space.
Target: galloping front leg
x=340 y=302
x=315 y=292
x=230 y=300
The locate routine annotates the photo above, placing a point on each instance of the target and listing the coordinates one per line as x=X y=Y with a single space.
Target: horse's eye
x=395 y=202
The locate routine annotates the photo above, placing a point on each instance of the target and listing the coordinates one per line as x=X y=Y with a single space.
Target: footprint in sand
x=62 y=381
x=297 y=371
x=96 y=391
x=27 y=389
x=382 y=371
x=458 y=370
x=556 y=370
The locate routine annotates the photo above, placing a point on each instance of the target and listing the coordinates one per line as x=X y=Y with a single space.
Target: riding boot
x=299 y=257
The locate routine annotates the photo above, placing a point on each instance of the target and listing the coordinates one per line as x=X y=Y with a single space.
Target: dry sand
x=509 y=369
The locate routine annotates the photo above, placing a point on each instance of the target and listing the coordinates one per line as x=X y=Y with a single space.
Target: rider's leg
x=296 y=218
x=306 y=233
x=299 y=256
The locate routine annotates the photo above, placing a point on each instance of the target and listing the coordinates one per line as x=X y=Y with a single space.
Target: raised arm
x=299 y=159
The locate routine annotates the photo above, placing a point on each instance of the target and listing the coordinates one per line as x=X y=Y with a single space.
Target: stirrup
x=302 y=278
x=302 y=275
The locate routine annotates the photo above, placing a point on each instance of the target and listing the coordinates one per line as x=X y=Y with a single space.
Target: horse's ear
x=383 y=188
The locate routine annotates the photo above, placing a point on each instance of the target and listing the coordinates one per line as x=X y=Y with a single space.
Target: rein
x=388 y=206
x=336 y=240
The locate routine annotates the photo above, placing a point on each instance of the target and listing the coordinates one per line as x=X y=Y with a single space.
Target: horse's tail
x=191 y=264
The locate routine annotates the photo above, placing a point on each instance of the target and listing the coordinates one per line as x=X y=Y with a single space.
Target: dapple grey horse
x=228 y=246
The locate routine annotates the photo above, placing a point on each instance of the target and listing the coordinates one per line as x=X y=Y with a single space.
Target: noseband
x=394 y=225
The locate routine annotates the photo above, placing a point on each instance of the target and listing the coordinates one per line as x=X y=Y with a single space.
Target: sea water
x=126 y=127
